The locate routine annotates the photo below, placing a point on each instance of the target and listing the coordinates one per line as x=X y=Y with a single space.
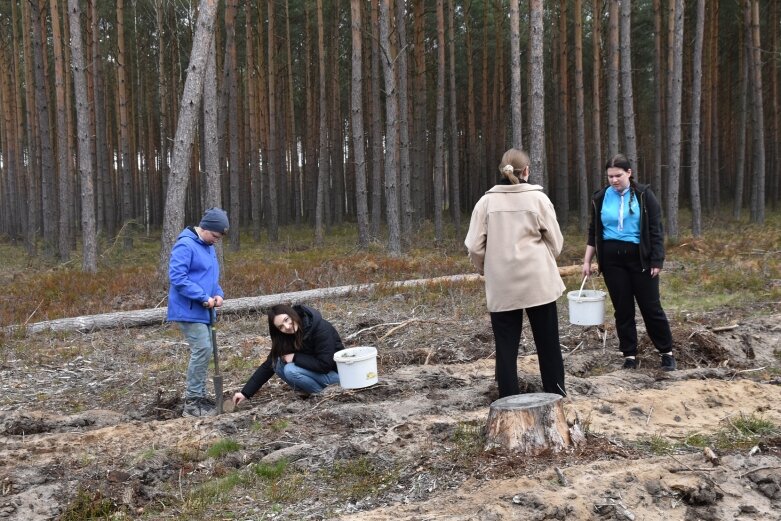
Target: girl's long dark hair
x=620 y=161
x=282 y=343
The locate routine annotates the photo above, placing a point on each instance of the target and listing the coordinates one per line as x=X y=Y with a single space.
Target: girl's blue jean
x=304 y=380
x=199 y=339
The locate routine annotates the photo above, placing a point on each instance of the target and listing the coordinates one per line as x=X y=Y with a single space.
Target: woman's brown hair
x=282 y=343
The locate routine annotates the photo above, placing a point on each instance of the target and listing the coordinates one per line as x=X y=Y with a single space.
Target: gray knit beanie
x=215 y=220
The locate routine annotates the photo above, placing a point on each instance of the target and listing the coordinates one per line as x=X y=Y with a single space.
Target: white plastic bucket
x=586 y=307
x=357 y=367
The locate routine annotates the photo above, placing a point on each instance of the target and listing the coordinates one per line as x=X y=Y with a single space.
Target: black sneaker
x=629 y=363
x=196 y=407
x=668 y=362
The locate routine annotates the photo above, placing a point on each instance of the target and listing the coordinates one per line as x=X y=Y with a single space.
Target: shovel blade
x=218 y=393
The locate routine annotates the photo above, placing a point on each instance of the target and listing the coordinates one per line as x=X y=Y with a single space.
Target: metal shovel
x=217 y=376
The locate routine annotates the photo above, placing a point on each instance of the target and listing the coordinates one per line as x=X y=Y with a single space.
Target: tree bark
x=515 y=75
x=173 y=220
x=561 y=195
x=537 y=94
x=596 y=96
x=455 y=159
x=612 y=78
x=580 y=122
x=439 y=147
x=630 y=138
x=123 y=102
x=405 y=188
x=757 y=105
x=88 y=229
x=356 y=118
x=322 y=158
x=63 y=161
x=391 y=132
x=47 y=166
x=656 y=177
x=694 y=150
x=273 y=163
x=674 y=114
x=529 y=424
x=375 y=112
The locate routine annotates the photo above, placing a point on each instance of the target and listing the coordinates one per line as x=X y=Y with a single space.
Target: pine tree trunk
x=537 y=93
x=231 y=77
x=740 y=162
x=293 y=138
x=674 y=114
x=515 y=75
x=34 y=150
x=439 y=148
x=123 y=102
x=273 y=163
x=596 y=97
x=375 y=113
x=630 y=138
x=612 y=79
x=419 y=152
x=561 y=194
x=391 y=132
x=757 y=105
x=356 y=118
x=584 y=201
x=455 y=177
x=694 y=150
x=47 y=166
x=405 y=189
x=88 y=229
x=190 y=107
x=62 y=131
x=656 y=176
x=322 y=170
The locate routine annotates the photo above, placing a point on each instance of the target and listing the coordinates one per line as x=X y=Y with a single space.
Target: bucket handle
x=580 y=293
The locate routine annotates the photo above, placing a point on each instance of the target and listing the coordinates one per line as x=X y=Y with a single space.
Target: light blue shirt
x=611 y=211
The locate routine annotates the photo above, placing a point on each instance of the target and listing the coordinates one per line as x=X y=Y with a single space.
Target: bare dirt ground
x=90 y=424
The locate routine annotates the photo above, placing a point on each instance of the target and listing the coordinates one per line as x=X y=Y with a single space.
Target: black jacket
x=320 y=342
x=651 y=227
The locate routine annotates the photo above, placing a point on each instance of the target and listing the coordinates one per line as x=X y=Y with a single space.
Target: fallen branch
x=725 y=328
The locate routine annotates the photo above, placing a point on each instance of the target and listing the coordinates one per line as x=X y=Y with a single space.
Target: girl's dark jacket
x=651 y=228
x=320 y=342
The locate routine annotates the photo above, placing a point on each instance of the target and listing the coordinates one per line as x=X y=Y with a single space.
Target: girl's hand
x=586 y=270
x=288 y=358
x=655 y=272
x=238 y=398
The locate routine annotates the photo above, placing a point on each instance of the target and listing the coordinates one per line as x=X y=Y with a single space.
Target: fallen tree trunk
x=145 y=317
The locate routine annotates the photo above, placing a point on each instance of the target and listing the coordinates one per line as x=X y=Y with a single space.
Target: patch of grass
x=359 y=478
x=737 y=433
x=468 y=441
x=223 y=447
x=89 y=505
x=658 y=445
x=272 y=471
x=215 y=491
x=279 y=425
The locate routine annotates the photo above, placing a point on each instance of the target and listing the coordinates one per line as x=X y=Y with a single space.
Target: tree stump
x=529 y=424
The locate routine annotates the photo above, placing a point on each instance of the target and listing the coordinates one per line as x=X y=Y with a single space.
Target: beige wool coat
x=513 y=240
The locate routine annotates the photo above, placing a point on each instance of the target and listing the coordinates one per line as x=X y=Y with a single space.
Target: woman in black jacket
x=627 y=237
x=303 y=344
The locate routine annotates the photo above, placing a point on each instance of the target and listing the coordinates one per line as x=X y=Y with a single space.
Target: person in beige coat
x=513 y=240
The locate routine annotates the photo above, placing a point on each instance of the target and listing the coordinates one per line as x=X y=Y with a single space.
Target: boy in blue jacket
x=194 y=290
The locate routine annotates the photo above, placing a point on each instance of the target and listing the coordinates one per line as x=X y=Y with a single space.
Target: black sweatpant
x=627 y=282
x=544 y=322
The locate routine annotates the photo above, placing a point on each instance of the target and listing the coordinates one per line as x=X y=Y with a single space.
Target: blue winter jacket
x=194 y=274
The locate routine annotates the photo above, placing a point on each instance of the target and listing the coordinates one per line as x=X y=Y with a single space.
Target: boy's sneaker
x=668 y=362
x=195 y=407
x=629 y=363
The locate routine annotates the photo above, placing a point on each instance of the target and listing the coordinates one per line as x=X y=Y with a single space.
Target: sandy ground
x=98 y=414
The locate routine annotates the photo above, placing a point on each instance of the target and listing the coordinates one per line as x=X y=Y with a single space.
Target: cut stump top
x=526 y=401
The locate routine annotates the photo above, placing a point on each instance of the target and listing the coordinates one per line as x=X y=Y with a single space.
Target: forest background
x=388 y=115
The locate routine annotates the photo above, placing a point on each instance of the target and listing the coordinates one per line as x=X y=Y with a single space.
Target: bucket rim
x=588 y=295
x=352 y=354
